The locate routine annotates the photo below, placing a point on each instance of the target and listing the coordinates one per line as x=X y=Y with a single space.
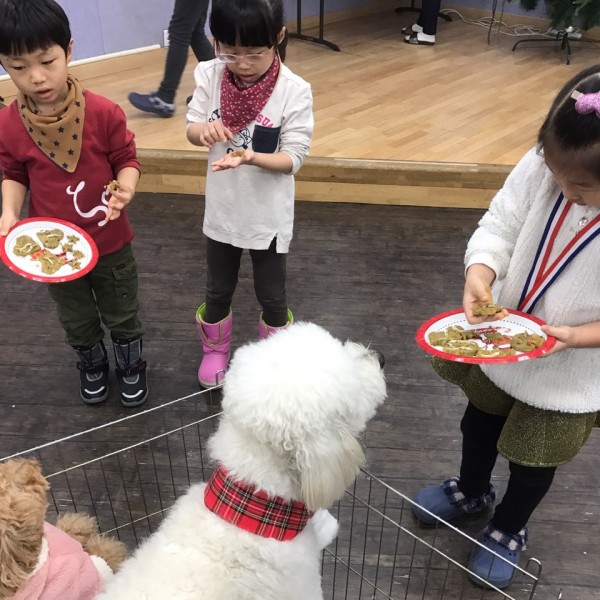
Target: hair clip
x=587 y=103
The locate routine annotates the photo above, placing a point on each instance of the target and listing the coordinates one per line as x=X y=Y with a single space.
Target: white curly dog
x=285 y=449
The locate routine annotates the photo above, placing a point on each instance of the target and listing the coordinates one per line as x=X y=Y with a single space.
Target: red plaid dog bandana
x=254 y=511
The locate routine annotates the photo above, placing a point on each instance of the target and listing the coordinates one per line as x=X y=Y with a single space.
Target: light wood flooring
x=394 y=123
x=379 y=98
x=461 y=100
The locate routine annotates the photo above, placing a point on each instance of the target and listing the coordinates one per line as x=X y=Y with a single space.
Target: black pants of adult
x=269 y=271
x=185 y=29
x=527 y=486
x=428 y=16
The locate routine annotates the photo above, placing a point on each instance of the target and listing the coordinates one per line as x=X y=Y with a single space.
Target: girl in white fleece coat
x=537 y=249
x=255 y=117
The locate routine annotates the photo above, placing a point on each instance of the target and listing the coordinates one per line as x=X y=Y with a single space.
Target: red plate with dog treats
x=48 y=250
x=515 y=338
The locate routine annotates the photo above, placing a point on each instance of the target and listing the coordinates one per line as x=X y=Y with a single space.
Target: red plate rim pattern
x=43 y=278
x=425 y=345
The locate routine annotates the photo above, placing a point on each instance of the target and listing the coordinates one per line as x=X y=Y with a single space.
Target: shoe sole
x=92 y=401
x=417 y=43
x=462 y=517
x=487 y=584
x=209 y=386
x=129 y=404
x=153 y=112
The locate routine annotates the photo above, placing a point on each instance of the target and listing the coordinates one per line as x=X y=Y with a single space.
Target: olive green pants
x=107 y=294
x=531 y=436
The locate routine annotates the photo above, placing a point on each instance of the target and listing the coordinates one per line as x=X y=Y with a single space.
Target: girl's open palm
x=232 y=160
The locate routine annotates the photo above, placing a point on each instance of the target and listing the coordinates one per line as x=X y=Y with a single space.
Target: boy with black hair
x=64 y=145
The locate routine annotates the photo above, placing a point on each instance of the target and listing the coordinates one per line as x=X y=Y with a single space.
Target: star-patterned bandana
x=241 y=104
x=59 y=135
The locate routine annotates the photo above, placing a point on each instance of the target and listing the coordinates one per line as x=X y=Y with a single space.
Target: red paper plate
x=77 y=241
x=515 y=322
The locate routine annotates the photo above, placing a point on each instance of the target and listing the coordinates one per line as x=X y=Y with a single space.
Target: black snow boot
x=93 y=372
x=131 y=371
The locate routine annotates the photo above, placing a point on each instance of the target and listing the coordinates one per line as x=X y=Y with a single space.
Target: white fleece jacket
x=506 y=241
x=247 y=207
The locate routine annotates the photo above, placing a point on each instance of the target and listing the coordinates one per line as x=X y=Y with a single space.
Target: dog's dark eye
x=380 y=358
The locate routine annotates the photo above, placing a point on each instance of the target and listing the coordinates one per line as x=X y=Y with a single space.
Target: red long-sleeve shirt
x=79 y=197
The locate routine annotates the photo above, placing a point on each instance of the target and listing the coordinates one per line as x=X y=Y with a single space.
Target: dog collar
x=254 y=511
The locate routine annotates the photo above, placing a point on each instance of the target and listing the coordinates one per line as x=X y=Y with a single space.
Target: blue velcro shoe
x=491 y=568
x=152 y=103
x=447 y=502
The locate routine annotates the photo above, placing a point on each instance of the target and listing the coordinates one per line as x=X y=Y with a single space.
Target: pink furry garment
x=68 y=572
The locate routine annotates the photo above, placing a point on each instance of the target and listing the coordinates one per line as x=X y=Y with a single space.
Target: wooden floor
x=395 y=124
x=370 y=273
x=461 y=100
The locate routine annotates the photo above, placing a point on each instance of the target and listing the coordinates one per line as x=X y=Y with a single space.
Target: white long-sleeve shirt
x=506 y=241
x=248 y=206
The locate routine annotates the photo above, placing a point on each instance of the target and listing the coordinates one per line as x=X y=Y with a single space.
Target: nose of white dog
x=307 y=396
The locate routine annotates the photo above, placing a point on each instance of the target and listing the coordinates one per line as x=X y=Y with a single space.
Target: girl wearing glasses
x=255 y=117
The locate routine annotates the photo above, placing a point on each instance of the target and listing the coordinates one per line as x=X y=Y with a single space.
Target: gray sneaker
x=152 y=103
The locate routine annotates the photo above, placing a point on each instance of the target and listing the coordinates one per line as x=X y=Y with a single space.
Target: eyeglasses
x=233 y=58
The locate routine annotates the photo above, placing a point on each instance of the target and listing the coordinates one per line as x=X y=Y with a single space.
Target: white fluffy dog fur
x=294 y=405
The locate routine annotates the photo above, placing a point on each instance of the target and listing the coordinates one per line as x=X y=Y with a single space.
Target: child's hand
x=213 y=132
x=119 y=199
x=477 y=291
x=7 y=221
x=233 y=160
x=565 y=337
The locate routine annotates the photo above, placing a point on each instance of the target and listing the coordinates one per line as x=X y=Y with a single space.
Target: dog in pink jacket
x=39 y=561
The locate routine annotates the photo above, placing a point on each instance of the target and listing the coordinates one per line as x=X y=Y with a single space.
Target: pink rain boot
x=265 y=330
x=216 y=340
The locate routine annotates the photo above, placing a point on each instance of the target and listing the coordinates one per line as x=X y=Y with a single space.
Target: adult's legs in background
x=428 y=17
x=186 y=28
x=201 y=47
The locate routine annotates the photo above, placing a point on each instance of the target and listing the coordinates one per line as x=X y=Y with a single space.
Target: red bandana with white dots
x=57 y=135
x=240 y=103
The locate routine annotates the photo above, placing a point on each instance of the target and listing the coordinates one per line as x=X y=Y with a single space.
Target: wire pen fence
x=129 y=472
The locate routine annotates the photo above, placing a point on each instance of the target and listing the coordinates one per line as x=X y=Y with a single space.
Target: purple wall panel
x=85 y=27
x=128 y=24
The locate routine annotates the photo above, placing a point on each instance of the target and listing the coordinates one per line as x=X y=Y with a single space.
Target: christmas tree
x=565 y=13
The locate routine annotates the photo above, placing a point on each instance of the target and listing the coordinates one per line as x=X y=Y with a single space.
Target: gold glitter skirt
x=531 y=436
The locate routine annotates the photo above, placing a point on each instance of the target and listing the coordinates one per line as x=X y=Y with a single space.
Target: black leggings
x=527 y=486
x=269 y=268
